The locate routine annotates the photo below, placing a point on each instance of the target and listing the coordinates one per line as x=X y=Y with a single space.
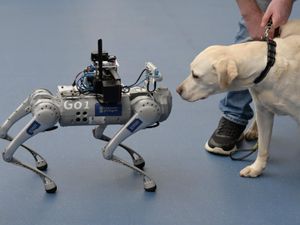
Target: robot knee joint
x=3 y=132
x=107 y=154
x=6 y=158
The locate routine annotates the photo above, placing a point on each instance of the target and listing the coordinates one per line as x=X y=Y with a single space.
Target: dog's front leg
x=265 y=120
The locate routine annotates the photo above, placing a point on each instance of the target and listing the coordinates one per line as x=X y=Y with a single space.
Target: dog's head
x=212 y=71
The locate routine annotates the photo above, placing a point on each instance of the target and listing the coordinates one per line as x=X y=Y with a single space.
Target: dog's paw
x=251 y=135
x=250 y=171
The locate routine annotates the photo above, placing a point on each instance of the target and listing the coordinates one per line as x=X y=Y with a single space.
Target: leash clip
x=267 y=30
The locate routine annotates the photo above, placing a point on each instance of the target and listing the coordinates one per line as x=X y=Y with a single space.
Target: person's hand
x=253 y=24
x=279 y=11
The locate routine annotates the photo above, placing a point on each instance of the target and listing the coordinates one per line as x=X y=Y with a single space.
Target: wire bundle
x=84 y=80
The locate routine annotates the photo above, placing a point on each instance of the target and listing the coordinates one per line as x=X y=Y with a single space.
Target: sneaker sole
x=217 y=150
x=220 y=151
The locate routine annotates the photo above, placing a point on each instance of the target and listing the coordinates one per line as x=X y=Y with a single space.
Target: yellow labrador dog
x=222 y=68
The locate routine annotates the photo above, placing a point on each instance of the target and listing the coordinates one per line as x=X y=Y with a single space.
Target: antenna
x=97 y=83
x=106 y=83
x=100 y=57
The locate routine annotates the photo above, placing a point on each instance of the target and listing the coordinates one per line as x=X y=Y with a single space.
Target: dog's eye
x=194 y=75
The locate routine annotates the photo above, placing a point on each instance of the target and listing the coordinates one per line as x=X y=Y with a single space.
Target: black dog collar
x=270 y=62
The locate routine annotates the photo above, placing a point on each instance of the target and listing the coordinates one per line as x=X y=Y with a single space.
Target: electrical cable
x=148 y=86
x=126 y=88
x=154 y=125
x=82 y=84
x=74 y=82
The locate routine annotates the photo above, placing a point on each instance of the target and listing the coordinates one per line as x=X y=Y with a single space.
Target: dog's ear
x=227 y=71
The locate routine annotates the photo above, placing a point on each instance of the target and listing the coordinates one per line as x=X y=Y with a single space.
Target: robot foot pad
x=42 y=165
x=50 y=187
x=139 y=163
x=149 y=185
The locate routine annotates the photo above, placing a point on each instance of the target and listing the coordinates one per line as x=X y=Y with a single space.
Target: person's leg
x=236 y=113
x=236 y=104
x=235 y=107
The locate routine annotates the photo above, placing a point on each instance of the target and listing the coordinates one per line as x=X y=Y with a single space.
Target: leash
x=271 y=52
x=241 y=154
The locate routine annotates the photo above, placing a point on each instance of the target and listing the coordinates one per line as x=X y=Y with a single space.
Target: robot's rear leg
x=49 y=184
x=23 y=110
x=40 y=161
x=42 y=120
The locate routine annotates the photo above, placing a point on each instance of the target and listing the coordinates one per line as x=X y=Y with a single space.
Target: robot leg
x=40 y=161
x=147 y=112
x=19 y=113
x=23 y=110
x=137 y=159
x=43 y=119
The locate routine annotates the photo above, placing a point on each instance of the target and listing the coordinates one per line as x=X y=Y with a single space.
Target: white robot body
x=87 y=110
x=137 y=109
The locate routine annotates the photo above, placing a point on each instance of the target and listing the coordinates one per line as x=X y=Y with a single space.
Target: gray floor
x=45 y=43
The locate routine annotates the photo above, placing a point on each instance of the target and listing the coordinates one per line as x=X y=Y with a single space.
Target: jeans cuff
x=234 y=119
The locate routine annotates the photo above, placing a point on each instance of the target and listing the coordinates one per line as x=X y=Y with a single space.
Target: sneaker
x=223 y=141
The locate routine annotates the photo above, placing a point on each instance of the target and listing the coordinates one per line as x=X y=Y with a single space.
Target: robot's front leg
x=45 y=116
x=147 y=112
x=137 y=159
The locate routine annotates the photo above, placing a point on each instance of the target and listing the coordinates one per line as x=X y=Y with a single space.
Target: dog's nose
x=179 y=90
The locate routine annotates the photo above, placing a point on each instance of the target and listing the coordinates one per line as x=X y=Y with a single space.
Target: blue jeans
x=236 y=104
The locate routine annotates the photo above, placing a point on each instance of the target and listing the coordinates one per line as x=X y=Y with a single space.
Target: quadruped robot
x=96 y=97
